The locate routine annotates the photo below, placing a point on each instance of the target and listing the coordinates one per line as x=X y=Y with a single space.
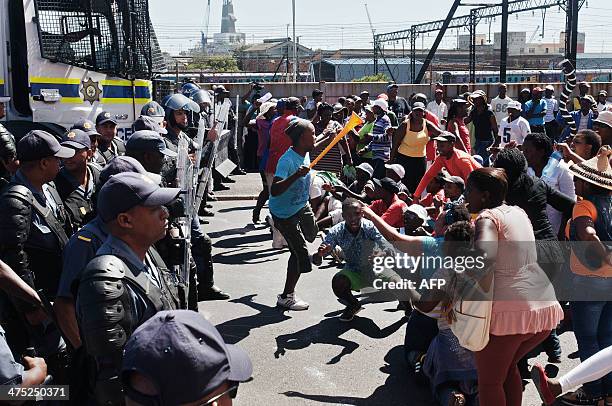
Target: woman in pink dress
x=524 y=306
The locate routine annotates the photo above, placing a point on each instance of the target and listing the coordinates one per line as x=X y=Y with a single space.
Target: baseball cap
x=439 y=91
x=184 y=356
x=387 y=184
x=457 y=180
x=420 y=211
x=446 y=136
x=460 y=101
x=39 y=144
x=366 y=167
x=76 y=139
x=123 y=163
x=364 y=93
x=105 y=117
x=129 y=189
x=397 y=168
x=584 y=84
x=418 y=106
x=602 y=93
x=152 y=109
x=391 y=86
x=549 y=87
x=85 y=125
x=382 y=104
x=515 y=105
x=537 y=89
x=147 y=140
x=221 y=89
x=5 y=99
x=605 y=118
x=148 y=123
x=265 y=98
x=317 y=92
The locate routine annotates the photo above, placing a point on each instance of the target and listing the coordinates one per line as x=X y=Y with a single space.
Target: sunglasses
x=231 y=392
x=155 y=400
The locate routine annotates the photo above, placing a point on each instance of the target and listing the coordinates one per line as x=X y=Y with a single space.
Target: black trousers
x=415 y=169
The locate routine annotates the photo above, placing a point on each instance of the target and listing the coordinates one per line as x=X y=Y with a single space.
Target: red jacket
x=459 y=164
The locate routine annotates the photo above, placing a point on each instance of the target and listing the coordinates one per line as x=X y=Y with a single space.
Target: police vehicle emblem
x=91 y=91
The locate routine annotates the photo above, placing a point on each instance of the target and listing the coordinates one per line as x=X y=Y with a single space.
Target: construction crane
x=370 y=20
x=204 y=32
x=534 y=34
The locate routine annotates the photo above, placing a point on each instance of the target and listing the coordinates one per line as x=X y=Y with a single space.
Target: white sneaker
x=292 y=302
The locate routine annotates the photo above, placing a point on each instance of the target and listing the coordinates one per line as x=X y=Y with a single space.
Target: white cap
x=366 y=167
x=419 y=210
x=4 y=99
x=382 y=104
x=605 y=117
x=398 y=169
x=266 y=97
x=549 y=87
x=515 y=105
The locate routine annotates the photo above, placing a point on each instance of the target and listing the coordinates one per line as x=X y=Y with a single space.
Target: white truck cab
x=63 y=60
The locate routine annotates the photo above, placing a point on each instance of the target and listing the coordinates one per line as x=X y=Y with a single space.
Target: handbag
x=472 y=318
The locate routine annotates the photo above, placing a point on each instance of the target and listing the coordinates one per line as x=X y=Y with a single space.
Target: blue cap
x=184 y=356
x=391 y=86
x=122 y=163
x=39 y=144
x=127 y=190
x=85 y=125
x=76 y=139
x=105 y=117
x=152 y=109
x=148 y=123
x=146 y=140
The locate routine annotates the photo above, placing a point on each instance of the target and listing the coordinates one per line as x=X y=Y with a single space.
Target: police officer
x=77 y=180
x=89 y=128
x=82 y=247
x=154 y=110
x=109 y=145
x=8 y=151
x=201 y=245
x=32 y=237
x=126 y=283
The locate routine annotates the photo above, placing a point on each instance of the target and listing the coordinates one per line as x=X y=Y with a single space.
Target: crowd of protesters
x=505 y=178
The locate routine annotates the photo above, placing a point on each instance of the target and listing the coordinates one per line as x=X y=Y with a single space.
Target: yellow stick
x=353 y=122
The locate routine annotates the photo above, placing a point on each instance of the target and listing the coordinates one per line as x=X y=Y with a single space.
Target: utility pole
x=295 y=55
x=503 y=60
x=287 y=56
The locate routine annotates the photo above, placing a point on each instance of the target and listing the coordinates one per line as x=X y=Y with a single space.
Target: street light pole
x=295 y=56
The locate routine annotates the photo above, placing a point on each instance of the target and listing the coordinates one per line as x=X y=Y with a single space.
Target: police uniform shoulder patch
x=83 y=238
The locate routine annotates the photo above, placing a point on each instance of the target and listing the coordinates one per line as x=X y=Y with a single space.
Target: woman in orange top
x=410 y=143
x=590 y=229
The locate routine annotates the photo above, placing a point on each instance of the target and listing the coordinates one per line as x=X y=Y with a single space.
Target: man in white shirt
x=602 y=101
x=513 y=128
x=499 y=105
x=438 y=107
x=551 y=126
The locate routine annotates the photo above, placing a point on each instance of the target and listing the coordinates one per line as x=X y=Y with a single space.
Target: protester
x=264 y=124
x=456 y=125
x=602 y=101
x=182 y=343
x=397 y=104
x=503 y=232
x=389 y=206
x=551 y=126
x=409 y=145
x=535 y=110
x=583 y=90
x=538 y=151
x=379 y=140
x=484 y=124
x=499 y=105
x=583 y=146
x=603 y=126
x=396 y=172
x=313 y=104
x=583 y=117
x=326 y=130
x=514 y=128
x=591 y=264
x=290 y=209
x=456 y=162
x=438 y=107
x=364 y=131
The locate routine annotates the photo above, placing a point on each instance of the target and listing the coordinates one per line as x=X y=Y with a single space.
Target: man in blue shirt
x=358 y=238
x=535 y=110
x=291 y=212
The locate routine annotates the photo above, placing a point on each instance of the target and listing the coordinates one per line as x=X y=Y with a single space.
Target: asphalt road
x=310 y=357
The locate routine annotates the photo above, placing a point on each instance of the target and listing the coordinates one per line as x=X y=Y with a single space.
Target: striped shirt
x=381 y=142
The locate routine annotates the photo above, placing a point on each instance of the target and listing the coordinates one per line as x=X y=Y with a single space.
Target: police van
x=63 y=60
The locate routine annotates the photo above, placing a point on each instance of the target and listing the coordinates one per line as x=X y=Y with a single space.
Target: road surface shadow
x=236 y=330
x=236 y=208
x=398 y=389
x=233 y=242
x=328 y=331
x=242 y=256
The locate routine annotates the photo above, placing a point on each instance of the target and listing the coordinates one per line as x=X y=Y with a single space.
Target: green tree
x=214 y=64
x=380 y=77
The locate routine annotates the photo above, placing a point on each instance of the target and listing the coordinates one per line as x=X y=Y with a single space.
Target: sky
x=333 y=24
